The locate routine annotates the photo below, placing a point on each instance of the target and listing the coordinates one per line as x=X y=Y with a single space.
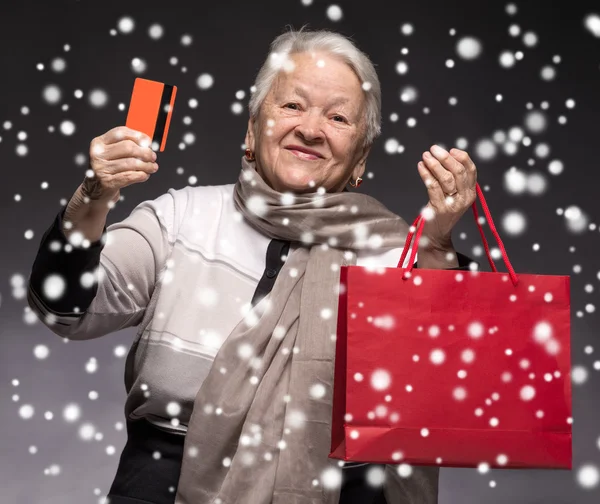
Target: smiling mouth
x=303 y=155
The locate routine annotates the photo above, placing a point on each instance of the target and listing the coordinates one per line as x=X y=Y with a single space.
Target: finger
x=464 y=158
x=131 y=165
x=434 y=189
x=453 y=165
x=443 y=176
x=128 y=148
x=122 y=133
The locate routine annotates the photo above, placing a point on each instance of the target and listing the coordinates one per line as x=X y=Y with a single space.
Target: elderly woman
x=230 y=287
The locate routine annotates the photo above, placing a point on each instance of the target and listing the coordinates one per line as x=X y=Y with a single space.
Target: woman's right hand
x=118 y=158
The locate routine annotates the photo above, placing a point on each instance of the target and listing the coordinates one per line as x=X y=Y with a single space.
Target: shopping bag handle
x=419 y=223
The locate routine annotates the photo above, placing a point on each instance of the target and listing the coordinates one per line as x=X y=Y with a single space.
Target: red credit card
x=150 y=109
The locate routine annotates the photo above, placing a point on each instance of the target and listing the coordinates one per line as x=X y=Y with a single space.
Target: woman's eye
x=342 y=118
x=292 y=105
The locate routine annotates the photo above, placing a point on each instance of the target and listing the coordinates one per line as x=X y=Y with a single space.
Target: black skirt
x=143 y=479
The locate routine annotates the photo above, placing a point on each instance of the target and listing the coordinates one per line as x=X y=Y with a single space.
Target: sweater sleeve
x=84 y=293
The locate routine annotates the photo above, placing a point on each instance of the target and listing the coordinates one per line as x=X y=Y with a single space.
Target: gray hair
x=294 y=42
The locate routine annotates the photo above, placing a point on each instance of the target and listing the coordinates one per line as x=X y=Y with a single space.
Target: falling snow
x=469 y=48
x=516 y=158
x=334 y=12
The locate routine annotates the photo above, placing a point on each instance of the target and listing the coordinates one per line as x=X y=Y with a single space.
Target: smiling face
x=311 y=127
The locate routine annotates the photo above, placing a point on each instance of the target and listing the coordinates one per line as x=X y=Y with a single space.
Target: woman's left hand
x=450 y=178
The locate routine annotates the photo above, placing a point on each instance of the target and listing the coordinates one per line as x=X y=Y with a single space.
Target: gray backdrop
x=66 y=448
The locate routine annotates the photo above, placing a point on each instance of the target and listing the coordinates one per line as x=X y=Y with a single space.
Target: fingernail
x=438 y=151
x=153 y=156
x=427 y=155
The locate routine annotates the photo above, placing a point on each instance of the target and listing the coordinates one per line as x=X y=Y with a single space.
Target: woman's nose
x=310 y=128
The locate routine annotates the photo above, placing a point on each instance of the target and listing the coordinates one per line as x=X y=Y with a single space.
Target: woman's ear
x=250 y=140
x=359 y=169
x=365 y=153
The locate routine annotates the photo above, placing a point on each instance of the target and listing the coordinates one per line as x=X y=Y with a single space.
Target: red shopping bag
x=453 y=368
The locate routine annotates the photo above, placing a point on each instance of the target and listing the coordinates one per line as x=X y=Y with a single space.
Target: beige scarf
x=261 y=432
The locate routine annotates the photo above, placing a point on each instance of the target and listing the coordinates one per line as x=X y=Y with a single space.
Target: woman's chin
x=297 y=181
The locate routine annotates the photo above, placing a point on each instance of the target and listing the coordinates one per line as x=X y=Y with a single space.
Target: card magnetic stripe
x=164 y=115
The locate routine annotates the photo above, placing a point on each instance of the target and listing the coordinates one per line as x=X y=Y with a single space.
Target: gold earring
x=249 y=155
x=357 y=183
